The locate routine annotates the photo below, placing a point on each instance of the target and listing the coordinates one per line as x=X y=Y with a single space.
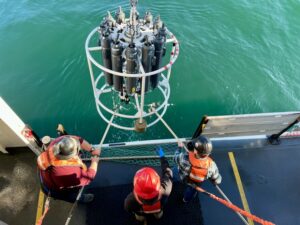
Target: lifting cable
x=82 y=188
x=226 y=202
x=169 y=128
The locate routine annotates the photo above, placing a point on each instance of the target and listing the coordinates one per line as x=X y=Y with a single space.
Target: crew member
x=61 y=171
x=196 y=166
x=150 y=193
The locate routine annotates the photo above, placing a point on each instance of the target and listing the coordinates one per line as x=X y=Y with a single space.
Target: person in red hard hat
x=150 y=192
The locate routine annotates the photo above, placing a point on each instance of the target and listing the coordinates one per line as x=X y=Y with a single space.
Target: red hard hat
x=146 y=183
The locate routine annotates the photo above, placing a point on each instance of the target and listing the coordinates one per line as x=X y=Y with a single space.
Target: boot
x=86 y=198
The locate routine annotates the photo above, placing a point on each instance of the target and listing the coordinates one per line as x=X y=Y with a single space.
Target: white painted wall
x=11 y=127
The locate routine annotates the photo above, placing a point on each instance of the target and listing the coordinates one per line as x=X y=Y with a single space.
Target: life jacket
x=47 y=159
x=155 y=208
x=199 y=167
x=148 y=209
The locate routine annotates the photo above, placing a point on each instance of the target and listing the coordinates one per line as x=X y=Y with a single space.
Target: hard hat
x=146 y=184
x=203 y=145
x=67 y=147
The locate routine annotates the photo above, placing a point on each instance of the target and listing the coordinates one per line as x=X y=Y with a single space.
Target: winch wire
x=169 y=128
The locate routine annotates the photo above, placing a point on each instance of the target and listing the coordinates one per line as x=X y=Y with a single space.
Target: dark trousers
x=68 y=194
x=189 y=192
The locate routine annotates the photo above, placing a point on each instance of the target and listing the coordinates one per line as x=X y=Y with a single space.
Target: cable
x=168 y=127
x=224 y=196
x=232 y=206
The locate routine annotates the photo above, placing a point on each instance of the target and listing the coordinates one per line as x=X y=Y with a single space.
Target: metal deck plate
x=268 y=174
x=248 y=124
x=108 y=208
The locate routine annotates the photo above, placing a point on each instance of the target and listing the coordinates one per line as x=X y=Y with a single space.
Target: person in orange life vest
x=150 y=192
x=61 y=171
x=196 y=166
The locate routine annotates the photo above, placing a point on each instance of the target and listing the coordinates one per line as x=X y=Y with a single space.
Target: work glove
x=160 y=152
x=216 y=181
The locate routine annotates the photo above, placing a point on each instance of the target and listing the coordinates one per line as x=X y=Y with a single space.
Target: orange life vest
x=155 y=208
x=47 y=159
x=199 y=167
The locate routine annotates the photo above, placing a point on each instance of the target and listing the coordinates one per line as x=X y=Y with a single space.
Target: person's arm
x=166 y=181
x=131 y=205
x=213 y=173
x=176 y=155
x=183 y=164
x=167 y=174
x=94 y=163
x=88 y=147
x=89 y=175
x=182 y=160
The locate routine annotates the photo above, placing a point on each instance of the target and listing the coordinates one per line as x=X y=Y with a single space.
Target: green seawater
x=235 y=57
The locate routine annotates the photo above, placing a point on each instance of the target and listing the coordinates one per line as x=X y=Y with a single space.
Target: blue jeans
x=189 y=192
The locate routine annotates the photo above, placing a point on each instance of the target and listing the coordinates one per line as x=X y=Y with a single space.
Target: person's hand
x=180 y=144
x=96 y=151
x=160 y=152
x=95 y=159
x=216 y=181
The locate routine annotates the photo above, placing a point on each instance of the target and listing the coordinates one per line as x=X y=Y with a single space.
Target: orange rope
x=234 y=207
x=47 y=203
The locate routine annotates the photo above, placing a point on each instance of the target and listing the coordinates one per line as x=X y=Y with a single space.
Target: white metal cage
x=101 y=89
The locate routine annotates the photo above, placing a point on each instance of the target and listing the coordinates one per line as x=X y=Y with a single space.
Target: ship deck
x=267 y=172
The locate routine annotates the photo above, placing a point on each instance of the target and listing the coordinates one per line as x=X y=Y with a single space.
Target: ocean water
x=235 y=57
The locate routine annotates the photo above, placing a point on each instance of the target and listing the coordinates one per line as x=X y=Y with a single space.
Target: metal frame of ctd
x=163 y=86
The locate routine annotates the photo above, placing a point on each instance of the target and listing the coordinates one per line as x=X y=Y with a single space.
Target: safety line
x=240 y=185
x=40 y=206
x=227 y=199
